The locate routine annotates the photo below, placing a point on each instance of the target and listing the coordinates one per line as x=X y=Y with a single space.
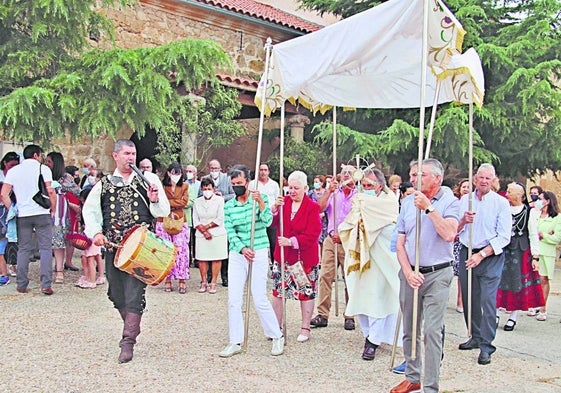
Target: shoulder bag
x=42 y=196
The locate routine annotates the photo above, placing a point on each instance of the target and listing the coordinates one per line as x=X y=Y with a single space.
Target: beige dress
x=204 y=212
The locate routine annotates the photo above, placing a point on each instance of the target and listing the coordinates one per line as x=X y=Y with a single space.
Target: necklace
x=519 y=222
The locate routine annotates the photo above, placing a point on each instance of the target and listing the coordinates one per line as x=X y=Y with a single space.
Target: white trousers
x=380 y=330
x=237 y=276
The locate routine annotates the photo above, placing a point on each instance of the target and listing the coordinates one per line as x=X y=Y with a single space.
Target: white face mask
x=214 y=175
x=190 y=176
x=538 y=204
x=91 y=180
x=208 y=194
x=175 y=178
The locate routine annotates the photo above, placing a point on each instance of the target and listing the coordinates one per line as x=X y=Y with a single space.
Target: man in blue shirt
x=491 y=223
x=439 y=223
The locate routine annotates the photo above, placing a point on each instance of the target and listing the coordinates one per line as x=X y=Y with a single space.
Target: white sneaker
x=230 y=350
x=100 y=281
x=278 y=346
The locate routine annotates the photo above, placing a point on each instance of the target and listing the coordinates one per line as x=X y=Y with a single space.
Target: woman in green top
x=549 y=233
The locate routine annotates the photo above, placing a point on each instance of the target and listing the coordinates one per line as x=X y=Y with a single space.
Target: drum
x=146 y=256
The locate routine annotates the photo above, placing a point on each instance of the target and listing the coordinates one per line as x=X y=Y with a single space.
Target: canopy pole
x=432 y=118
x=470 y=207
x=424 y=54
x=268 y=48
x=335 y=211
x=281 y=223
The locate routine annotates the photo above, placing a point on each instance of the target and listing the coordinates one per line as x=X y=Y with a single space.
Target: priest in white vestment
x=370 y=266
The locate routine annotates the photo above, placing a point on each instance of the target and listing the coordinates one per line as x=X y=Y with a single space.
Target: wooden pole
x=470 y=207
x=424 y=53
x=335 y=211
x=268 y=48
x=281 y=226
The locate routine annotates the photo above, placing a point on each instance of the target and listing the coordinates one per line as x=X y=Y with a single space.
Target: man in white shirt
x=269 y=187
x=114 y=206
x=23 y=179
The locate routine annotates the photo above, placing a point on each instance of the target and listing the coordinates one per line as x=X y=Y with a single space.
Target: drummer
x=116 y=204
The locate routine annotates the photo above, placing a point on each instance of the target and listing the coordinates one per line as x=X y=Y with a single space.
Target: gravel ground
x=68 y=343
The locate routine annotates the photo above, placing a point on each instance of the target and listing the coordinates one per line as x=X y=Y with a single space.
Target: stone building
x=241 y=27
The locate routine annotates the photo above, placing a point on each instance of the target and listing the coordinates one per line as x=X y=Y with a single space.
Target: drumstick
x=144 y=179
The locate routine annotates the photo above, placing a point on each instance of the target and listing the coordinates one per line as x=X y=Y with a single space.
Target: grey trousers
x=43 y=225
x=432 y=302
x=486 y=278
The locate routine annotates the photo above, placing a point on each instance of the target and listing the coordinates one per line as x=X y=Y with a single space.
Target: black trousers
x=124 y=290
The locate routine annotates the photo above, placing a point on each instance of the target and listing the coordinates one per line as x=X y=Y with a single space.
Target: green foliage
x=210 y=119
x=299 y=155
x=519 y=126
x=52 y=82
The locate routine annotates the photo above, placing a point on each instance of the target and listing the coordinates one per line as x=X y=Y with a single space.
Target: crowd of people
x=355 y=226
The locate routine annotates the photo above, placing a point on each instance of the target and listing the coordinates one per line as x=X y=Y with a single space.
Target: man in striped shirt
x=238 y=214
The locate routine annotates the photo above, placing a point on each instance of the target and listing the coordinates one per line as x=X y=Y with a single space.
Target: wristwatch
x=430 y=209
x=483 y=254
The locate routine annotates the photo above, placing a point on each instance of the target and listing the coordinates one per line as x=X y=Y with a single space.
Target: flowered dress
x=178 y=199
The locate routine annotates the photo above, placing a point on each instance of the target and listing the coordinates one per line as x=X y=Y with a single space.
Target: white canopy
x=372 y=60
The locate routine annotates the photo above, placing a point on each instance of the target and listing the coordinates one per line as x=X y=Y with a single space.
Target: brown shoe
x=22 y=290
x=47 y=291
x=349 y=324
x=406 y=387
x=318 y=321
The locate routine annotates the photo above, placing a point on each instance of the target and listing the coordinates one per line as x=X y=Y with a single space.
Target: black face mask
x=239 y=190
x=534 y=197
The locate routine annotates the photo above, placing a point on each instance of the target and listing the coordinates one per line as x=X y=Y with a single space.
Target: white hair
x=299 y=177
x=487 y=168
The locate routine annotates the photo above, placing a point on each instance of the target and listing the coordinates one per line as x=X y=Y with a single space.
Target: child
x=89 y=255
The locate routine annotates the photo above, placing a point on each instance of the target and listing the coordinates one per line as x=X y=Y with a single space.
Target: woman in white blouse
x=211 y=245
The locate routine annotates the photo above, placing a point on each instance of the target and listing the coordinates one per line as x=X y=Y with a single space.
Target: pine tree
x=53 y=82
x=519 y=126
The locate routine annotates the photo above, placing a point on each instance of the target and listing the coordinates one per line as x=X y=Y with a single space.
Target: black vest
x=123 y=206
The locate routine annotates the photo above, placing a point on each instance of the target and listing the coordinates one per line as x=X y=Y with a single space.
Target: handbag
x=42 y=196
x=298 y=274
x=78 y=239
x=173 y=225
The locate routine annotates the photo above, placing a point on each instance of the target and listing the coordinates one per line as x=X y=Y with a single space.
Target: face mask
x=239 y=190
x=190 y=176
x=539 y=204
x=214 y=175
x=317 y=186
x=208 y=194
x=534 y=197
x=77 y=180
x=91 y=180
x=86 y=171
x=175 y=178
x=370 y=192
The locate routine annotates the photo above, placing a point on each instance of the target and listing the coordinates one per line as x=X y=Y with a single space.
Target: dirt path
x=68 y=343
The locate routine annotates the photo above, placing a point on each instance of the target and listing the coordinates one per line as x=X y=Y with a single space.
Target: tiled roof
x=239 y=82
x=266 y=12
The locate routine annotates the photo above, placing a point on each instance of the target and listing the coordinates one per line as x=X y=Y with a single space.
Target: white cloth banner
x=370 y=60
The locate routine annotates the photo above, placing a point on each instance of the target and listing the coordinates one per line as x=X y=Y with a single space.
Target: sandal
x=203 y=287
x=168 y=287
x=182 y=289
x=509 y=325
x=542 y=316
x=532 y=312
x=212 y=289
x=302 y=337
x=59 y=277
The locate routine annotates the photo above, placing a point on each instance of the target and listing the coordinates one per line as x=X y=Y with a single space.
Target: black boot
x=131 y=330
